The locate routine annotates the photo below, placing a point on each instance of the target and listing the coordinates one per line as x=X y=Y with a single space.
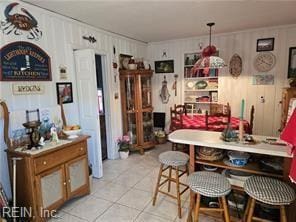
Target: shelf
x=198 y=78
x=201 y=90
x=249 y=168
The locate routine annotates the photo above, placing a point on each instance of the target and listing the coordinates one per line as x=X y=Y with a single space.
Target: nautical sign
x=19 y=20
x=24 y=61
x=27 y=88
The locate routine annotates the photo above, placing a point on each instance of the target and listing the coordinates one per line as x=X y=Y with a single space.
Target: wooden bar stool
x=269 y=191
x=172 y=160
x=208 y=184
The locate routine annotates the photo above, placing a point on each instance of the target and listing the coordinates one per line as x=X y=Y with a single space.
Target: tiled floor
x=125 y=192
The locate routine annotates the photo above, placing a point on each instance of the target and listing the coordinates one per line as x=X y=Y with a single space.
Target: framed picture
x=64 y=90
x=292 y=63
x=265 y=44
x=165 y=66
x=263 y=79
x=123 y=61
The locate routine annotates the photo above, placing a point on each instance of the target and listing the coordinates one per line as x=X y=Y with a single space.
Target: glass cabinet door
x=146 y=92
x=129 y=83
x=132 y=127
x=148 y=135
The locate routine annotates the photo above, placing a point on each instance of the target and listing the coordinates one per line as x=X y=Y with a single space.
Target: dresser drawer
x=58 y=157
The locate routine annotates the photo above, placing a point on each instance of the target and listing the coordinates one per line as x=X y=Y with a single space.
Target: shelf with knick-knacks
x=200 y=86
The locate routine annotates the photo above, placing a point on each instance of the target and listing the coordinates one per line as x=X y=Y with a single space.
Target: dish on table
x=238 y=158
x=239 y=175
x=228 y=163
x=232 y=181
x=209 y=168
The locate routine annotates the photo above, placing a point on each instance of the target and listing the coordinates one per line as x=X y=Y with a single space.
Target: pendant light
x=209 y=60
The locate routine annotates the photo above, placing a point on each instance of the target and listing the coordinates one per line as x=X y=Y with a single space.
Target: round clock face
x=264 y=61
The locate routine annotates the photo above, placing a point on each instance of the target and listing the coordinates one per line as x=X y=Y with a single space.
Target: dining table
x=200 y=138
x=215 y=123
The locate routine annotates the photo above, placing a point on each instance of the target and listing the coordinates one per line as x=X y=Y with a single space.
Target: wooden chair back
x=218 y=110
x=251 y=119
x=176 y=119
x=180 y=108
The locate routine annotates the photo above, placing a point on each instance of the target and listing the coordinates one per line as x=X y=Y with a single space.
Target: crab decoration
x=17 y=23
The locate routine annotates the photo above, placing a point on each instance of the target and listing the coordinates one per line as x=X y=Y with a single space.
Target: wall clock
x=264 y=61
x=235 y=65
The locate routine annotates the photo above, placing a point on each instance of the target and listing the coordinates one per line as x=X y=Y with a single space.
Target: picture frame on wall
x=164 y=66
x=266 y=44
x=64 y=90
x=292 y=63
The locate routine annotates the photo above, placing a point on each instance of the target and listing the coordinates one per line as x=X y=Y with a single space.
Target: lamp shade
x=289 y=132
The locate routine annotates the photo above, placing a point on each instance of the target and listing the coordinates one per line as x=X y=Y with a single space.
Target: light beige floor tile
x=137 y=199
x=91 y=208
x=146 y=217
x=119 y=213
x=128 y=179
x=163 y=208
x=201 y=217
x=112 y=192
x=69 y=205
x=148 y=184
x=65 y=217
x=98 y=184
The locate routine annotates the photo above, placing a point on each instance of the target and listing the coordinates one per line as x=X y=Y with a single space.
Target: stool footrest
x=168 y=194
x=211 y=209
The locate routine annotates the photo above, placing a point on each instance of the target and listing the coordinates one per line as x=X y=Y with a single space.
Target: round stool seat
x=268 y=190
x=173 y=158
x=209 y=184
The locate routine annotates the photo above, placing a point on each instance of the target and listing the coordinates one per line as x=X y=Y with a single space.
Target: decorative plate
x=264 y=61
x=235 y=65
x=201 y=84
x=190 y=84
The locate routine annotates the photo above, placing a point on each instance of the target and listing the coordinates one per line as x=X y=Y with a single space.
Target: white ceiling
x=151 y=21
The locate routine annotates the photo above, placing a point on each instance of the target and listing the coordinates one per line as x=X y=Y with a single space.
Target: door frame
x=107 y=83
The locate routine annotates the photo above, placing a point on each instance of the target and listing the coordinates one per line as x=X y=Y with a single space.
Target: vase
x=123 y=155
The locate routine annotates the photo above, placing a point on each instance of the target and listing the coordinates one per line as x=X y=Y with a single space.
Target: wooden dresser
x=49 y=177
x=287 y=94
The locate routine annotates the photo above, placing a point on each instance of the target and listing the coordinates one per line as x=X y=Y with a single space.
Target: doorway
x=101 y=106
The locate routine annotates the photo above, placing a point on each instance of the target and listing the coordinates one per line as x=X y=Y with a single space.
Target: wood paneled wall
x=60 y=36
x=267 y=115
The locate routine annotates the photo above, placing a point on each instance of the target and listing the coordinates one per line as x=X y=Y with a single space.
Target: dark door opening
x=101 y=105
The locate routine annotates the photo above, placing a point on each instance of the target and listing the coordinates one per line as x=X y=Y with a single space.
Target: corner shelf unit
x=200 y=87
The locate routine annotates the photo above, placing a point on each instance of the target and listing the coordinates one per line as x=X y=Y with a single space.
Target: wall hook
x=90 y=38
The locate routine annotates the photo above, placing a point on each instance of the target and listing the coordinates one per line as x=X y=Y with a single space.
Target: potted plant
x=160 y=136
x=124 y=145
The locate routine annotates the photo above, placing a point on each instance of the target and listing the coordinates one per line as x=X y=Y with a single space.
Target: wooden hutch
x=137 y=110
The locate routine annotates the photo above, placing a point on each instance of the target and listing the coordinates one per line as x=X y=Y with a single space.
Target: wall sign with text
x=24 y=61
x=27 y=88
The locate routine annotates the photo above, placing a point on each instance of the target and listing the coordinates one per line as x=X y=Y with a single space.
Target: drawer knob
x=69 y=181
x=65 y=183
x=81 y=148
x=44 y=162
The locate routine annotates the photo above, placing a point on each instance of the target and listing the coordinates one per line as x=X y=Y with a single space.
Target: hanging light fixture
x=209 y=60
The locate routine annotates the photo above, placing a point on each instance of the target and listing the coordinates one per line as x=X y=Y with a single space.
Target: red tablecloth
x=215 y=123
